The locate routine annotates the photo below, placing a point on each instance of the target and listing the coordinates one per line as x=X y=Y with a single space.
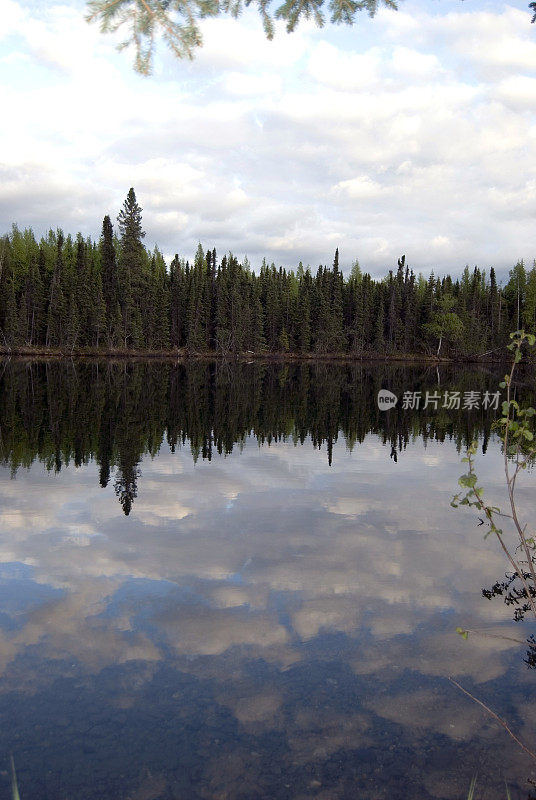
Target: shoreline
x=46 y=354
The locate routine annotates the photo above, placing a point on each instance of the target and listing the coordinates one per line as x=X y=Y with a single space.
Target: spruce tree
x=110 y=288
x=529 y=311
x=160 y=279
x=177 y=302
x=32 y=302
x=514 y=292
x=8 y=310
x=98 y=331
x=57 y=308
x=304 y=312
x=131 y=270
x=257 y=342
x=337 y=341
x=379 y=326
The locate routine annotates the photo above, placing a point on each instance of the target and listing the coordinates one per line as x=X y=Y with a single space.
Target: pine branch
x=149 y=18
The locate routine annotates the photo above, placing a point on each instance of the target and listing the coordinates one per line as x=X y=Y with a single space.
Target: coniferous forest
x=75 y=295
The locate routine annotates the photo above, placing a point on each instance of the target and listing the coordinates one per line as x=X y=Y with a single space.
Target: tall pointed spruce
x=110 y=288
x=130 y=272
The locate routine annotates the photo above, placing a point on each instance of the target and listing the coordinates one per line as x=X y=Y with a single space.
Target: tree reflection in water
x=117 y=412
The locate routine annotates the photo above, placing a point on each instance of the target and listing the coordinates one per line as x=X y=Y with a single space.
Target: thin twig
x=496 y=636
x=495 y=716
x=511 y=487
x=154 y=16
x=103 y=10
x=501 y=346
x=517 y=569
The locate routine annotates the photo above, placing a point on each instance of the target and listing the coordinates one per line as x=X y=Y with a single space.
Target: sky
x=413 y=132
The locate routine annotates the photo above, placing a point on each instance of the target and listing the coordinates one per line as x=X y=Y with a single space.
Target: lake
x=242 y=581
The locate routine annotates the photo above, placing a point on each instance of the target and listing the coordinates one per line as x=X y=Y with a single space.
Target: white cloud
x=344 y=71
x=244 y=84
x=415 y=129
x=362 y=187
x=13 y=18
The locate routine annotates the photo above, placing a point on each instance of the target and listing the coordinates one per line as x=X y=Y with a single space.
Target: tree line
x=75 y=294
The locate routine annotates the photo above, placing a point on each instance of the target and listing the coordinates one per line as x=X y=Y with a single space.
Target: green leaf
x=467 y=481
x=14 y=787
x=463 y=633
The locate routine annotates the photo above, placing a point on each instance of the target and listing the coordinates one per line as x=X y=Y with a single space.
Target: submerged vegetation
x=74 y=295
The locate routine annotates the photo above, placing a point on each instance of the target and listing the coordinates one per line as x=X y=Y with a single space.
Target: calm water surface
x=244 y=582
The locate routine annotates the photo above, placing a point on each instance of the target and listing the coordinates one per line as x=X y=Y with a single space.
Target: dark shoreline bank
x=248 y=356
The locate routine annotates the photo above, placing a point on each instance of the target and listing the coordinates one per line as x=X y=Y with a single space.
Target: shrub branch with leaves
x=519 y=450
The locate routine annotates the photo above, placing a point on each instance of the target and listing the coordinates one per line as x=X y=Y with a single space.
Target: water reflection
x=61 y=413
x=263 y=624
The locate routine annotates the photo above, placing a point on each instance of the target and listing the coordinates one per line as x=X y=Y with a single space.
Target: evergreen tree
x=177 y=302
x=196 y=327
x=57 y=309
x=8 y=301
x=494 y=319
x=337 y=338
x=304 y=312
x=109 y=277
x=32 y=301
x=514 y=293
x=160 y=281
x=379 y=326
x=529 y=310
x=99 y=330
x=131 y=264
